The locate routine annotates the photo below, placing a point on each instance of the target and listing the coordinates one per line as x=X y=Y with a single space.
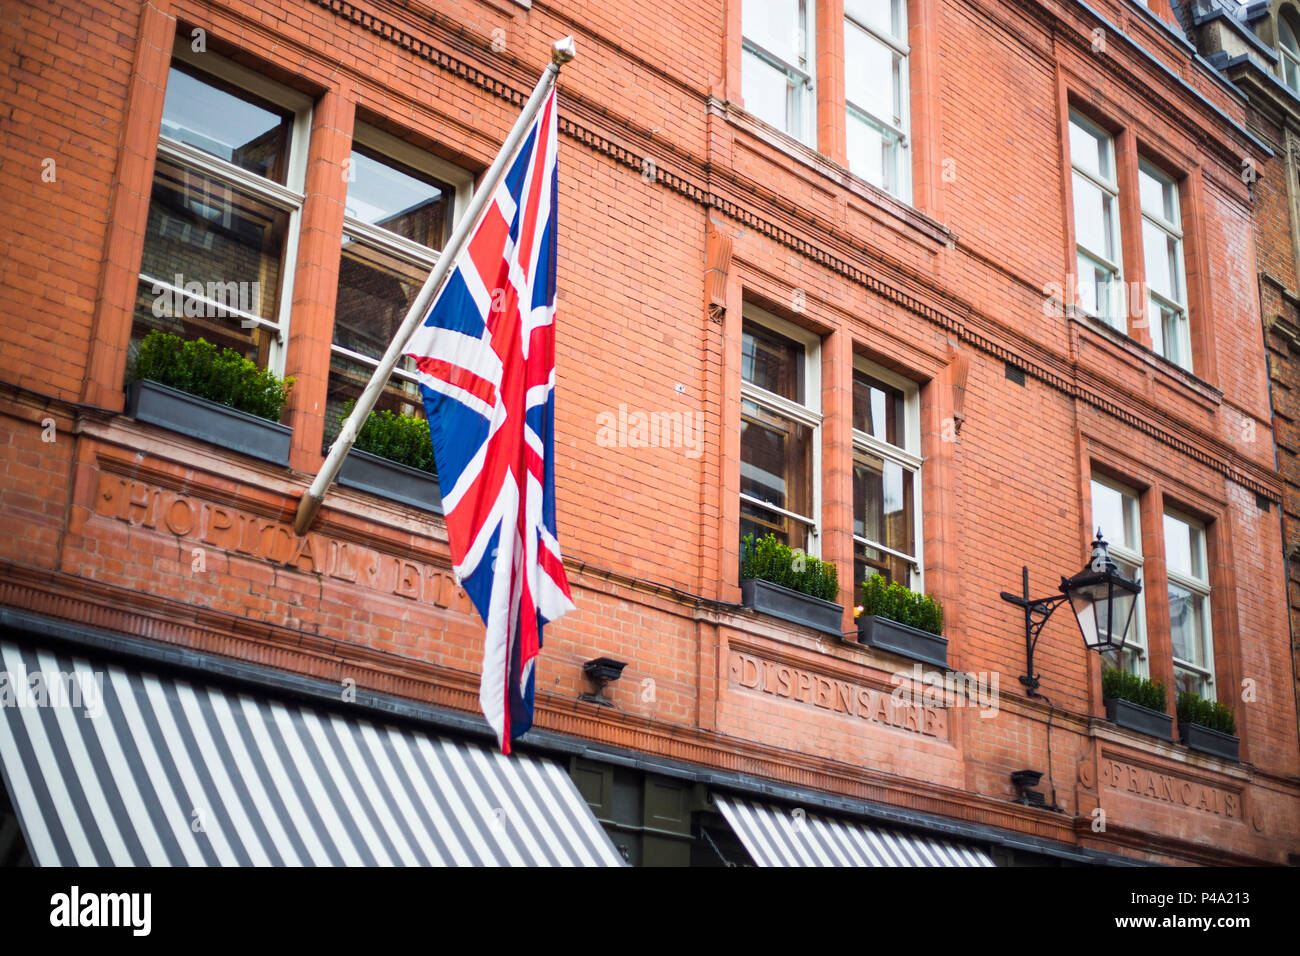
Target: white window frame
x=288 y=197
x=805 y=109
x=908 y=457
x=808 y=414
x=1288 y=56
x=1119 y=320
x=904 y=132
x=407 y=250
x=1201 y=588
x=1123 y=552
x=1173 y=229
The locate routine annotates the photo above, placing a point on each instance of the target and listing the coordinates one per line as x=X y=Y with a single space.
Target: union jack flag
x=485 y=356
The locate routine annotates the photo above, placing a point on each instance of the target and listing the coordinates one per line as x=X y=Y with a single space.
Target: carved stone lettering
x=837 y=696
x=228 y=529
x=1167 y=788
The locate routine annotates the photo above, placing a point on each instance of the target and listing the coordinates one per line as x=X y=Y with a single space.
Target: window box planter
x=793 y=606
x=390 y=479
x=1144 y=720
x=886 y=635
x=188 y=414
x=1208 y=741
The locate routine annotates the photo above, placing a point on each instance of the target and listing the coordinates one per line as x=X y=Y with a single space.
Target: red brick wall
x=649 y=533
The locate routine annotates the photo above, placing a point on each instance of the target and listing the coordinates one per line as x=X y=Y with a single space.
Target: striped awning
x=776 y=836
x=107 y=766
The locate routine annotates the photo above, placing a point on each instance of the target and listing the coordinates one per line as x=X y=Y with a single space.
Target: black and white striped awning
x=111 y=767
x=776 y=836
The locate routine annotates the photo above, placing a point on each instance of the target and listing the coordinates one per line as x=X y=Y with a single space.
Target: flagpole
x=561 y=52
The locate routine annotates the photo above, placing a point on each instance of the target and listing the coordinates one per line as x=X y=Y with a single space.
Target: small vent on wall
x=1016 y=373
x=1261 y=503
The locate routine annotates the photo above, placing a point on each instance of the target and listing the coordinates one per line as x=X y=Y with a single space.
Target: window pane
x=248 y=133
x=776 y=26
x=382 y=193
x=1186 y=626
x=1129 y=660
x=1169 y=334
x=873 y=152
x=882 y=503
x=1287 y=34
x=1191 y=682
x=1099 y=293
x=1183 y=548
x=221 y=245
x=878 y=409
x=868 y=561
x=375 y=290
x=882 y=15
x=759 y=521
x=1116 y=514
x=772 y=362
x=1094 y=218
x=768 y=94
x=775 y=459
x=1158 y=195
x=1161 y=251
x=871 y=75
x=1090 y=151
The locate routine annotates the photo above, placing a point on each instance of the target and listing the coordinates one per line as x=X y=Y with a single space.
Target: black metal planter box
x=793 y=606
x=1144 y=720
x=1209 y=741
x=188 y=414
x=887 y=635
x=389 y=479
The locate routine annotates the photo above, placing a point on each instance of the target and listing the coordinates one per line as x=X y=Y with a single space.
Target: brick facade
x=678 y=210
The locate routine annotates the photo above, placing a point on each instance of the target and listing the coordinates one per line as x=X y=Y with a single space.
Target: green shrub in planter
x=400 y=438
x=1194 y=709
x=897 y=603
x=222 y=376
x=770 y=560
x=1121 y=685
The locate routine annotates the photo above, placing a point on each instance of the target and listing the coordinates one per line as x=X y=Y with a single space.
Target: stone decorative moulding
x=1144 y=720
x=793 y=606
x=390 y=479
x=197 y=417
x=1196 y=737
x=903 y=639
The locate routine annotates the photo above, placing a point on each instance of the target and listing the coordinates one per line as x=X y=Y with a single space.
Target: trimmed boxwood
x=1121 y=685
x=223 y=376
x=400 y=438
x=896 y=603
x=1194 y=709
x=769 y=560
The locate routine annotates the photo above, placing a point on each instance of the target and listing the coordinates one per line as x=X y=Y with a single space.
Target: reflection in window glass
x=776 y=469
x=382 y=193
x=776 y=66
x=232 y=126
x=1189 y=607
x=223 y=248
x=777 y=441
x=375 y=290
x=772 y=362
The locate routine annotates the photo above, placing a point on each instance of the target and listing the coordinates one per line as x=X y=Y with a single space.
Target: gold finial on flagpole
x=562 y=51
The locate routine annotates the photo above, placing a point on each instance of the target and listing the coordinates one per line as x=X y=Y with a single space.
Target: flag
x=485 y=357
